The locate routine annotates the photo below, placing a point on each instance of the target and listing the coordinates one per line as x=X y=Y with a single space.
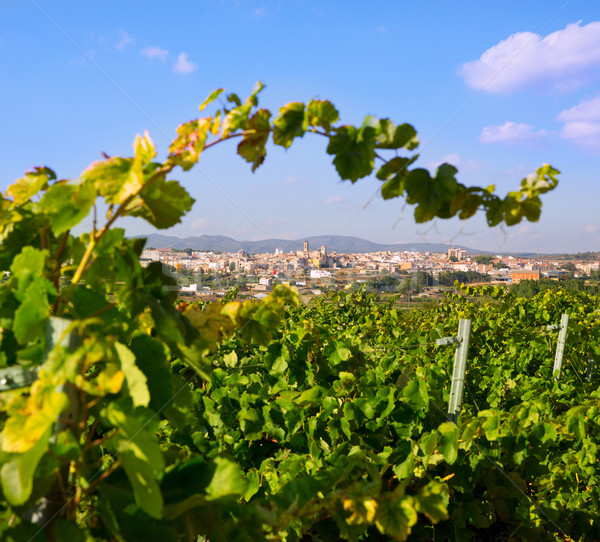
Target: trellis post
x=460 y=366
x=560 y=346
x=590 y=369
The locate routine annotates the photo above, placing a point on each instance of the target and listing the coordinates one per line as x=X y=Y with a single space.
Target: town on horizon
x=300 y=267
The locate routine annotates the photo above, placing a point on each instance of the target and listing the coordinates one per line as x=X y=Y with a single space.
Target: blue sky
x=495 y=88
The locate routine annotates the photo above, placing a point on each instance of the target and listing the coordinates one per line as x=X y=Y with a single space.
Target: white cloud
x=155 y=52
x=582 y=124
x=332 y=200
x=381 y=29
x=183 y=65
x=124 y=40
x=591 y=229
x=512 y=133
x=259 y=12
x=562 y=61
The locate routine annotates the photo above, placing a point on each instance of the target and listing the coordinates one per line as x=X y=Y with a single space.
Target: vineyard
x=129 y=415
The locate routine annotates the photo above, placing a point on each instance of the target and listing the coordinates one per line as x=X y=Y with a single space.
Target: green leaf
x=68 y=531
x=136 y=380
x=576 y=426
x=428 y=443
x=236 y=119
x=227 y=481
x=17 y=474
x=115 y=178
x=339 y=355
x=30 y=318
x=311 y=395
x=491 y=426
x=288 y=124
x=143 y=482
x=446 y=181
x=396 y=517
x=354 y=151
x=66 y=205
x=448 y=443
x=405 y=469
x=433 y=500
x=320 y=113
x=397 y=165
x=390 y=136
x=252 y=99
x=28 y=266
x=211 y=98
x=416 y=393
x=253 y=479
x=162 y=203
x=252 y=147
x=136 y=439
x=234 y=99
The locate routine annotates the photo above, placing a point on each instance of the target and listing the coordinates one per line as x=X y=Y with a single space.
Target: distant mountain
x=334 y=243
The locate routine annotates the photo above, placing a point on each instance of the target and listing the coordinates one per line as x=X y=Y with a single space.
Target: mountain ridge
x=334 y=243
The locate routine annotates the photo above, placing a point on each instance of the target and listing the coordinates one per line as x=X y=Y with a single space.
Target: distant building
x=556 y=274
x=458 y=253
x=525 y=274
x=319 y=273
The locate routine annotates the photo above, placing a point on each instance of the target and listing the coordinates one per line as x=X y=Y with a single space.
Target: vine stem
x=95 y=237
x=84 y=261
x=103 y=476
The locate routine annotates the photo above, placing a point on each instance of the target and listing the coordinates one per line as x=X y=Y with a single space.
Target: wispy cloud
x=582 y=124
x=184 y=65
x=381 y=29
x=124 y=40
x=591 y=229
x=155 y=52
x=513 y=133
x=332 y=200
x=259 y=12
x=562 y=61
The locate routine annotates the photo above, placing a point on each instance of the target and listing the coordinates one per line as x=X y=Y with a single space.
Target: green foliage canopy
x=105 y=368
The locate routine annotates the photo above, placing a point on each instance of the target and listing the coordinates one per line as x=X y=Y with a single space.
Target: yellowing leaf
x=30 y=417
x=144 y=148
x=211 y=98
x=111 y=379
x=17 y=474
x=22 y=190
